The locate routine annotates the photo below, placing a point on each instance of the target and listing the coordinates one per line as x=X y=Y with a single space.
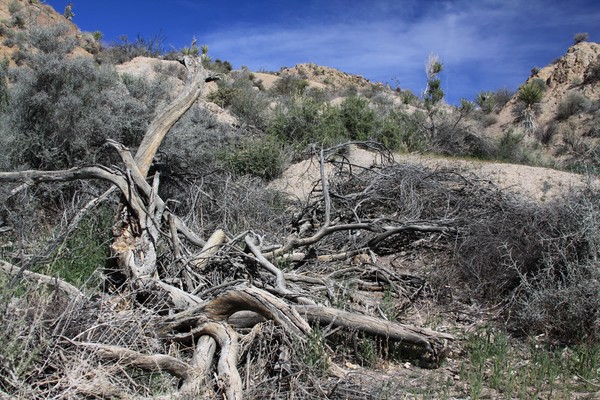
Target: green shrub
x=246 y=103
x=4 y=91
x=220 y=66
x=262 y=157
x=358 y=118
x=400 y=131
x=314 y=352
x=84 y=251
x=249 y=105
x=224 y=95
x=301 y=121
x=289 y=85
x=510 y=146
x=573 y=104
x=14 y=7
x=408 y=97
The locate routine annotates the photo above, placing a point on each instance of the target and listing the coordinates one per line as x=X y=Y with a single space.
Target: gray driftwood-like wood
x=143 y=220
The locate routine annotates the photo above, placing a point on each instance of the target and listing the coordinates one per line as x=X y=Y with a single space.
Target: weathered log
x=209 y=249
x=229 y=378
x=197 y=382
x=373 y=326
x=65 y=287
x=130 y=358
x=167 y=117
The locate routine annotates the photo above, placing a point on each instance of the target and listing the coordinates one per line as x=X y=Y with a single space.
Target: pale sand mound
x=532 y=183
x=298 y=180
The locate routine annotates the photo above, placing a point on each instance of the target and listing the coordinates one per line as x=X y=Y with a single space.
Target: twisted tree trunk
x=143 y=221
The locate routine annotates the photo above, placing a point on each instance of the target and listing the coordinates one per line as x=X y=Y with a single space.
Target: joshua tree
x=434 y=92
x=69 y=14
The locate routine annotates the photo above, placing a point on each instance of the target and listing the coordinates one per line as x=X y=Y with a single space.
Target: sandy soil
x=532 y=183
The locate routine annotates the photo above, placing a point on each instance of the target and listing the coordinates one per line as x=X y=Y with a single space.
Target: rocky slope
x=572 y=76
x=17 y=17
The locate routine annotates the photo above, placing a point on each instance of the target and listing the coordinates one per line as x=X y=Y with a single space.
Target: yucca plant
x=530 y=94
x=486 y=101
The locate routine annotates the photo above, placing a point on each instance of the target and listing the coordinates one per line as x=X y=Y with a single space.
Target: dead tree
x=210 y=322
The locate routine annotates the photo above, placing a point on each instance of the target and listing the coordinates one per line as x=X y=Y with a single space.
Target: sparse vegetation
x=260 y=157
x=573 y=104
x=387 y=243
x=580 y=37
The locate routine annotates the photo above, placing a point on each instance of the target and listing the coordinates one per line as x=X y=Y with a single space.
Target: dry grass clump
x=539 y=261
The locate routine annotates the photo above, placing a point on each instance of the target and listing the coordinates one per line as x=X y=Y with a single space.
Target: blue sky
x=484 y=45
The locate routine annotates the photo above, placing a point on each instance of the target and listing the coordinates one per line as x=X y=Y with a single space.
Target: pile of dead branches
x=202 y=305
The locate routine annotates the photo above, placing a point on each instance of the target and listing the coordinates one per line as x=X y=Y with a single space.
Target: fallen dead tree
x=203 y=315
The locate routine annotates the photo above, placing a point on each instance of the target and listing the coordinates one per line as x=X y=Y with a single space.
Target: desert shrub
x=592 y=74
x=503 y=96
x=289 y=85
x=191 y=148
x=62 y=108
x=301 y=121
x=573 y=104
x=84 y=252
x=262 y=157
x=54 y=39
x=224 y=94
x=563 y=304
x=14 y=6
x=408 y=97
x=539 y=259
x=246 y=103
x=236 y=204
x=402 y=131
x=358 y=118
x=545 y=134
x=125 y=50
x=563 y=299
x=223 y=67
x=580 y=37
x=97 y=35
x=4 y=92
x=510 y=146
x=488 y=120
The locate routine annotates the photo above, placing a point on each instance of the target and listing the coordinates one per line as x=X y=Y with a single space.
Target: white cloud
x=387 y=40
